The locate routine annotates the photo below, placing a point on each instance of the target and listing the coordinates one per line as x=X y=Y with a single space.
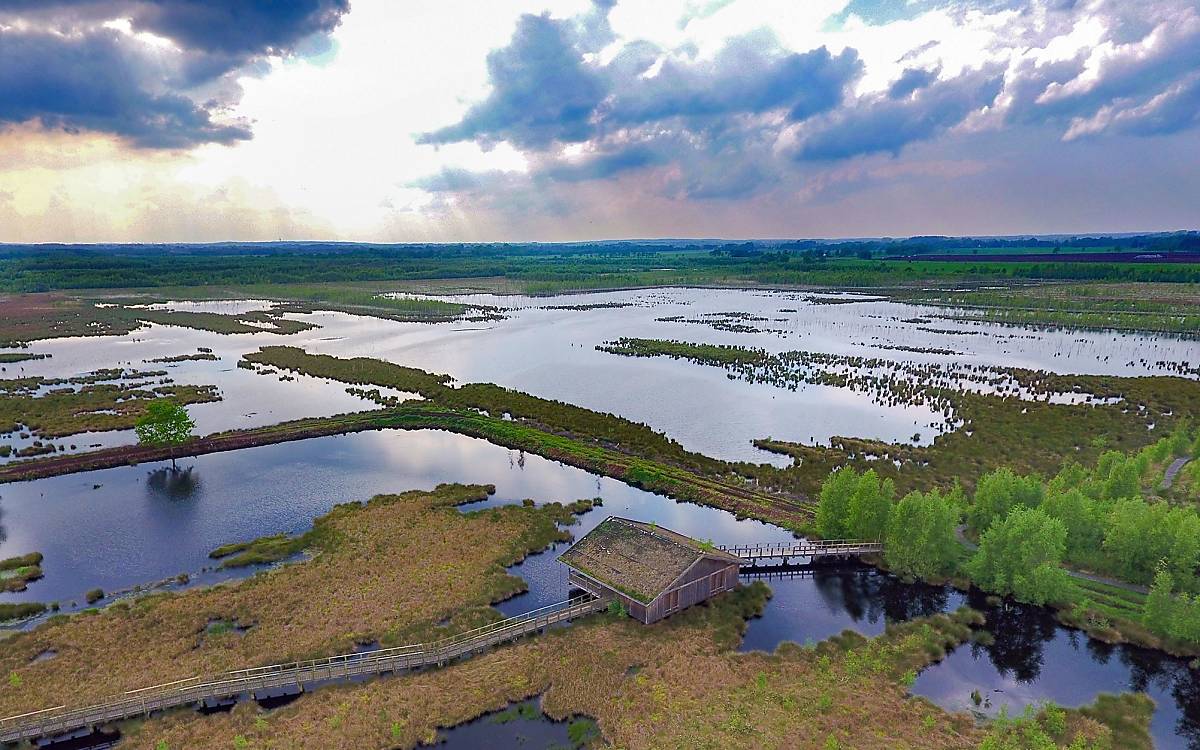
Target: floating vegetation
x=36 y=448
x=1166 y=308
x=916 y=349
x=590 y=306
x=11 y=357
x=888 y=382
x=730 y=322
x=251 y=322
x=949 y=331
x=199 y=356
x=391 y=305
x=87 y=403
x=16 y=573
x=267 y=549
x=1029 y=420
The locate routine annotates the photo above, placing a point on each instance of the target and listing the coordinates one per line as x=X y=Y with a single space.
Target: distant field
x=1039 y=255
x=553 y=269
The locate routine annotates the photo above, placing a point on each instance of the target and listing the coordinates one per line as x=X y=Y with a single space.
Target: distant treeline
x=546 y=268
x=1159 y=242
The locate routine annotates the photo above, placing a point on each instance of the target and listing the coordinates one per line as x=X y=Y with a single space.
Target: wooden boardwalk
x=813 y=550
x=294 y=675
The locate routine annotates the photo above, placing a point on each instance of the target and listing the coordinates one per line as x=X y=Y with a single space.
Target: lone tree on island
x=164 y=423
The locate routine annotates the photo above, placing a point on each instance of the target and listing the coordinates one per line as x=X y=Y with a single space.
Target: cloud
x=603 y=165
x=92 y=82
x=882 y=123
x=911 y=80
x=89 y=65
x=645 y=107
x=1141 y=61
x=238 y=27
x=750 y=74
x=1177 y=108
x=542 y=91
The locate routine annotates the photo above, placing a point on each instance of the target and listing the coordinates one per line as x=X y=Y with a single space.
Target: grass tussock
x=379 y=571
x=16 y=573
x=20 y=610
x=1113 y=721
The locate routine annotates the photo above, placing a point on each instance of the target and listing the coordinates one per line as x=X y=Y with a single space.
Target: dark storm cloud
x=91 y=83
x=231 y=27
x=238 y=27
x=886 y=124
x=62 y=68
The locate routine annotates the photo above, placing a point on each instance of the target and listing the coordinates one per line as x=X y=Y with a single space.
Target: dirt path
x=1173 y=470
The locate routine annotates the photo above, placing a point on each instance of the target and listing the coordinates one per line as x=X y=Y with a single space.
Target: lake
x=544 y=348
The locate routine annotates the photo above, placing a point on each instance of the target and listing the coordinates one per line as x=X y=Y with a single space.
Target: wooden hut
x=653 y=571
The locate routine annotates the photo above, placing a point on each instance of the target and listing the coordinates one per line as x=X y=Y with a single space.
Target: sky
x=523 y=120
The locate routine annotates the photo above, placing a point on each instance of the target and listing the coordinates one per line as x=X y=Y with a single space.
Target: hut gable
x=638 y=559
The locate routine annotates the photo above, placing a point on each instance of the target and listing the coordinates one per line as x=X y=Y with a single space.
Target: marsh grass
x=12 y=357
x=33 y=317
x=1112 y=721
x=1028 y=434
x=678 y=683
x=16 y=573
x=20 y=610
x=251 y=322
x=94 y=407
x=360 y=301
x=21 y=561
x=379 y=570
x=1169 y=308
x=268 y=549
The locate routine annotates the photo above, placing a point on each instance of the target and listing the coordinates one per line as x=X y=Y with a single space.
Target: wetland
x=508 y=418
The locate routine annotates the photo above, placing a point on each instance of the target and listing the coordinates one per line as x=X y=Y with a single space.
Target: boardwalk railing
x=61 y=719
x=804 y=548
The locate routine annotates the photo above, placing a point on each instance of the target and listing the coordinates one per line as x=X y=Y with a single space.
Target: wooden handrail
x=803 y=548
x=143 y=701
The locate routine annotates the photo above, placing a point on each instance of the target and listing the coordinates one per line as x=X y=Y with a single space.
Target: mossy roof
x=636 y=558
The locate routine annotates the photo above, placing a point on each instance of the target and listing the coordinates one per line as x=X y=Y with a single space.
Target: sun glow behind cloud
x=429 y=121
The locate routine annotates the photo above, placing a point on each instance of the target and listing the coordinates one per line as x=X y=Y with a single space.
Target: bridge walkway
x=61 y=719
